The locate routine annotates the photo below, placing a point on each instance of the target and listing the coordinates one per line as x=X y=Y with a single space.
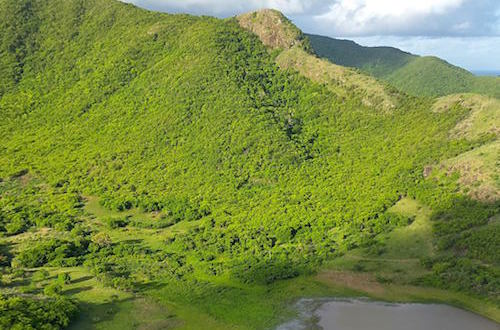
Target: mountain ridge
x=293 y=52
x=417 y=75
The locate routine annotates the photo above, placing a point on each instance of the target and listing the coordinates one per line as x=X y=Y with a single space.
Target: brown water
x=369 y=315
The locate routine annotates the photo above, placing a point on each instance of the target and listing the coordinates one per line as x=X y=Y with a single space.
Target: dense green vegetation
x=421 y=76
x=27 y=314
x=170 y=157
x=434 y=77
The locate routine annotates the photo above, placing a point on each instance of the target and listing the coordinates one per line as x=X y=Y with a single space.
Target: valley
x=171 y=171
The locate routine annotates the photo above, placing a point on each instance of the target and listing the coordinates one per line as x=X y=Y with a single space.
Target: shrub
x=53 y=289
x=64 y=278
x=30 y=314
x=50 y=251
x=114 y=223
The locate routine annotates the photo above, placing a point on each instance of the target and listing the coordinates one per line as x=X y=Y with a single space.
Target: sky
x=463 y=32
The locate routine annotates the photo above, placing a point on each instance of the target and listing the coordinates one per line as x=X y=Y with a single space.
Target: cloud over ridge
x=361 y=17
x=439 y=24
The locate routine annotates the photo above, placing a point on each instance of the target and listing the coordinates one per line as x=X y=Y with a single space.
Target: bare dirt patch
x=272 y=28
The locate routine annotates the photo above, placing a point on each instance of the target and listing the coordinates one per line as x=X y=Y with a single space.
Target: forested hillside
x=162 y=170
x=420 y=76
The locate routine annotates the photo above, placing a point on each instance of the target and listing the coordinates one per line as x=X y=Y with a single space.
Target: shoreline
x=404 y=294
x=308 y=308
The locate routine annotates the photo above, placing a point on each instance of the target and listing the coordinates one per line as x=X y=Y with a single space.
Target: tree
x=53 y=289
x=64 y=278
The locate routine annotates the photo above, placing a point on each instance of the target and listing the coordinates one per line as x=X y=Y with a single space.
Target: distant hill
x=486 y=73
x=424 y=76
x=378 y=61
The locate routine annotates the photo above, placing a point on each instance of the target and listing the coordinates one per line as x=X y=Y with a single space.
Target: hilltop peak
x=274 y=29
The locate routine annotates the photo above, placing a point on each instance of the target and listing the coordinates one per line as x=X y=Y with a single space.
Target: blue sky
x=463 y=32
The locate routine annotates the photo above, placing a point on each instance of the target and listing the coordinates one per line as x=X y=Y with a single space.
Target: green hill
x=432 y=76
x=162 y=171
x=377 y=61
x=424 y=76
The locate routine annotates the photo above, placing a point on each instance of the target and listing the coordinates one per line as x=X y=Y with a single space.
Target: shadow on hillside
x=81 y=279
x=92 y=315
x=142 y=287
x=135 y=312
x=132 y=241
x=78 y=290
x=5 y=254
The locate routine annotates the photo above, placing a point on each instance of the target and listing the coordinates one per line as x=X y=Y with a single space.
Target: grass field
x=387 y=270
x=483 y=117
x=339 y=79
x=384 y=271
x=153 y=238
x=478 y=168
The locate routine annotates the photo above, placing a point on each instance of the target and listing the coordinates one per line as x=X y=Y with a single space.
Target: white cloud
x=362 y=17
x=227 y=7
x=349 y=18
x=465 y=32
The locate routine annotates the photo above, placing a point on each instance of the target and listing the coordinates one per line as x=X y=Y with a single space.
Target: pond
x=360 y=314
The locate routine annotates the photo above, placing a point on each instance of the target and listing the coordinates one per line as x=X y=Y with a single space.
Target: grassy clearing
x=478 y=171
x=100 y=307
x=399 y=251
x=134 y=313
x=33 y=234
x=478 y=168
x=94 y=208
x=387 y=272
x=153 y=238
x=339 y=79
x=483 y=118
x=414 y=240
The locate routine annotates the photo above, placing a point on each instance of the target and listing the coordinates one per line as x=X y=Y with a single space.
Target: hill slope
x=293 y=52
x=172 y=165
x=432 y=76
x=377 y=61
x=426 y=76
x=478 y=168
